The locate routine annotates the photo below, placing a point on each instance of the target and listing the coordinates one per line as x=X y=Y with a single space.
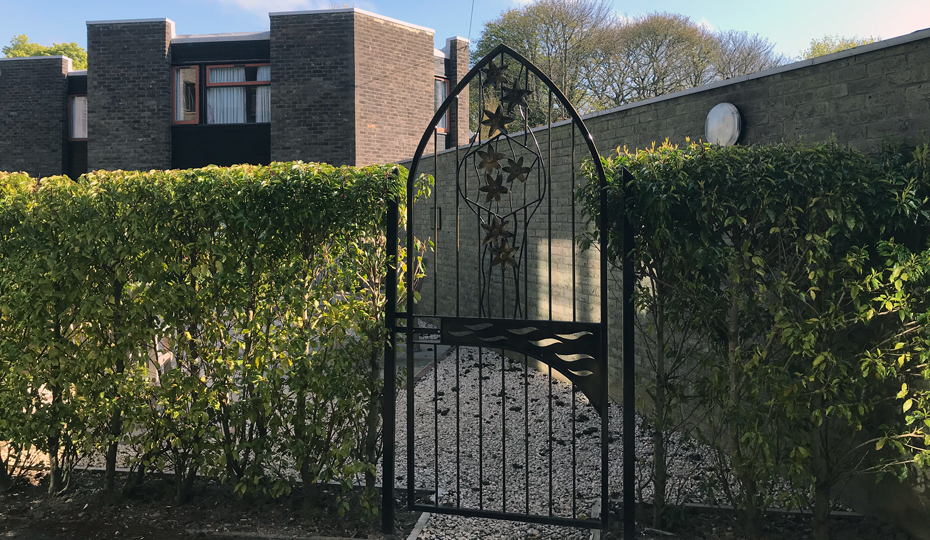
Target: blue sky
x=790 y=24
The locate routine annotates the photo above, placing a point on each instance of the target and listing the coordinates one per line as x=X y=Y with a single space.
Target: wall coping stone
x=351 y=10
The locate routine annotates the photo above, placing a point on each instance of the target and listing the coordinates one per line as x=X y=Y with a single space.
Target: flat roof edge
x=232 y=36
x=56 y=57
x=352 y=10
x=131 y=21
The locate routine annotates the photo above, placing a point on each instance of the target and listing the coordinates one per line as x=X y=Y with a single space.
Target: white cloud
x=706 y=25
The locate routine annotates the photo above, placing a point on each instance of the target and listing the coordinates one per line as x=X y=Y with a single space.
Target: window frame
x=244 y=84
x=174 y=97
x=241 y=83
x=71 y=136
x=445 y=82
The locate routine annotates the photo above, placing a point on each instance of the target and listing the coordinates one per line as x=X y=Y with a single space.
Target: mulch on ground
x=214 y=511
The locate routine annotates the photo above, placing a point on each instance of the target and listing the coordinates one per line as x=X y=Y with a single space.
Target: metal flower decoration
x=496 y=121
x=490 y=160
x=515 y=170
x=494 y=188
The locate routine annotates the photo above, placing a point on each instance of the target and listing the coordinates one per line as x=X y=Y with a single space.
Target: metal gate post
x=390 y=379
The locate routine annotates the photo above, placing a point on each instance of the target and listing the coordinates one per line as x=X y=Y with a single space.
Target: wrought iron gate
x=506 y=287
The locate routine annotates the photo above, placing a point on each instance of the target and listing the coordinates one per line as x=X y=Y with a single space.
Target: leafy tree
x=21 y=47
x=832 y=44
x=600 y=60
x=562 y=37
x=665 y=53
x=739 y=53
x=803 y=271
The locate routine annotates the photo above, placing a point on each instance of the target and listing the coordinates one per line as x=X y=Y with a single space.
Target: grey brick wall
x=860 y=97
x=129 y=94
x=312 y=88
x=394 y=68
x=33 y=114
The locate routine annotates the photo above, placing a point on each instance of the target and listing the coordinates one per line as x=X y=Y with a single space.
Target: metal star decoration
x=490 y=160
x=496 y=121
x=494 y=188
x=515 y=96
x=516 y=171
x=494 y=74
x=504 y=256
x=497 y=231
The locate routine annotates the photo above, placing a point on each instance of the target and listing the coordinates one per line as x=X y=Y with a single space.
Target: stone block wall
x=394 y=68
x=129 y=94
x=33 y=114
x=312 y=89
x=862 y=97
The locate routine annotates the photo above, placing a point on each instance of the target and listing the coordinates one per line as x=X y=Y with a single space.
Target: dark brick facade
x=129 y=94
x=33 y=112
x=348 y=88
x=457 y=67
x=313 y=86
x=393 y=88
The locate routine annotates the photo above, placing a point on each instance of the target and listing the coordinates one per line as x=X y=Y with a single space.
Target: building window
x=441 y=93
x=239 y=94
x=186 y=97
x=77 y=130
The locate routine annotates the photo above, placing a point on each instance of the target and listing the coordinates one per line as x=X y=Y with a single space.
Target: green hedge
x=782 y=310
x=223 y=321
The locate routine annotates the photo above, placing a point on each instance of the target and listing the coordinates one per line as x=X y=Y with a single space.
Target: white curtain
x=226 y=104
x=79 y=117
x=178 y=96
x=263 y=96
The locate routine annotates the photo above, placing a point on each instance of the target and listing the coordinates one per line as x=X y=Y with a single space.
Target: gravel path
x=471 y=381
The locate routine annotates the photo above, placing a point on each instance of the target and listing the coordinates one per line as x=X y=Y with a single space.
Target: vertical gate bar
x=503 y=438
x=435 y=426
x=574 y=462
x=572 y=239
x=458 y=431
x=549 y=203
x=435 y=309
x=410 y=322
x=526 y=259
x=526 y=428
x=629 y=400
x=480 y=429
x=550 y=440
x=574 y=319
x=390 y=379
x=458 y=384
x=435 y=224
x=549 y=278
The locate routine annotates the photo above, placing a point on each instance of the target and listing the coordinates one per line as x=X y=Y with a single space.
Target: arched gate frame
x=516 y=291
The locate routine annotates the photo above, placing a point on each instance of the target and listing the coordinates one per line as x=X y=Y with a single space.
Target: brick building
x=341 y=86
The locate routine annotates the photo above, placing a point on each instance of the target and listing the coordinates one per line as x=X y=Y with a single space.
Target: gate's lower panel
x=504 y=440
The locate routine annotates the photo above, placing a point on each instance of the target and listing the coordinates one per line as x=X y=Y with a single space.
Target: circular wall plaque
x=723 y=125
